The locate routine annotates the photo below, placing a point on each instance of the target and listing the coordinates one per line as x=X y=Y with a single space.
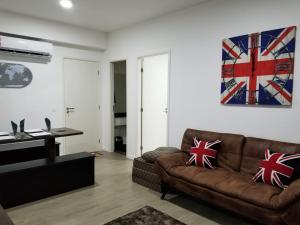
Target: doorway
x=119 y=106
x=154 y=109
x=82 y=110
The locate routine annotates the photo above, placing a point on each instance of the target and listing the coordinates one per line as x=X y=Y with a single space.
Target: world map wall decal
x=258 y=68
x=14 y=75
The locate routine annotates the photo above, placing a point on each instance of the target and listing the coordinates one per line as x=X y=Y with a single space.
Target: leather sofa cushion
x=254 y=150
x=169 y=161
x=230 y=153
x=153 y=155
x=230 y=183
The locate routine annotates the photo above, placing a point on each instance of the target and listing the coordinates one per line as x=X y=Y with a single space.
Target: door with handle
x=154 y=101
x=70 y=110
x=82 y=104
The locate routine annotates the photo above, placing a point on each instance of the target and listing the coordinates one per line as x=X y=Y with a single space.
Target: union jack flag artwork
x=258 y=68
x=204 y=153
x=277 y=168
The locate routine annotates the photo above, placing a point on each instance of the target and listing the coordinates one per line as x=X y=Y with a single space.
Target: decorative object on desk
x=14 y=127
x=48 y=124
x=146 y=216
x=258 y=68
x=14 y=75
x=22 y=125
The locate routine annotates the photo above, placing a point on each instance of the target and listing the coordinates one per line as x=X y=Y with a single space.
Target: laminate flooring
x=115 y=195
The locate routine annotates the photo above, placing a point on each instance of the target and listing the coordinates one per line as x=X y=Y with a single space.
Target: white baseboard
x=130 y=156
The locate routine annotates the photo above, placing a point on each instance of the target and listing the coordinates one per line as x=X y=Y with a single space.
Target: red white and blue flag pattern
x=277 y=169
x=258 y=68
x=204 y=153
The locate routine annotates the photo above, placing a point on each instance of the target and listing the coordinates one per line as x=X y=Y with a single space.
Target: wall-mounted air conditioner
x=18 y=47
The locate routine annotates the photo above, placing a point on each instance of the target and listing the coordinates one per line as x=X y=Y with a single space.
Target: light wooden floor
x=115 y=195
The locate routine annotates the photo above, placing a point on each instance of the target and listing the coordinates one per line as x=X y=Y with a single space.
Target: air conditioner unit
x=18 y=47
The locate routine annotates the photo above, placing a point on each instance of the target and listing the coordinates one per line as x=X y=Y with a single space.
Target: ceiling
x=104 y=15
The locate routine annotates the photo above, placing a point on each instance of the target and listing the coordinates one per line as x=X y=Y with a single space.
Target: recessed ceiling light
x=66 y=3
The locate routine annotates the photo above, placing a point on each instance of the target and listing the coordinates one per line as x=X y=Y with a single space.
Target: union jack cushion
x=204 y=153
x=277 y=169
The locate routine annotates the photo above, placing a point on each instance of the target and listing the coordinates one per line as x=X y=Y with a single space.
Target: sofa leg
x=163 y=195
x=165 y=190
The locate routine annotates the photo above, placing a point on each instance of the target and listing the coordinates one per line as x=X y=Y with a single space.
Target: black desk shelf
x=25 y=154
x=33 y=180
x=27 y=181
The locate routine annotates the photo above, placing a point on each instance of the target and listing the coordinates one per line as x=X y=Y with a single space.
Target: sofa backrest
x=230 y=154
x=254 y=150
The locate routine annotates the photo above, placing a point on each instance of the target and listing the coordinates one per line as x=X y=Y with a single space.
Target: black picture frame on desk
x=48 y=124
x=14 y=127
x=22 y=125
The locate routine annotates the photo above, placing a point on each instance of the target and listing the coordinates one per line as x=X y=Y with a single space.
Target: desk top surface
x=54 y=133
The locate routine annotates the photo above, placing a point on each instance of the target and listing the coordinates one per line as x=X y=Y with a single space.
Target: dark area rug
x=145 y=216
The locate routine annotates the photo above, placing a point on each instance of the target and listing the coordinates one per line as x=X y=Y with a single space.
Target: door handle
x=166 y=110
x=70 y=109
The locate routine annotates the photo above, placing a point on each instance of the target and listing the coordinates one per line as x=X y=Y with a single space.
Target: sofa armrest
x=291 y=194
x=153 y=155
x=291 y=198
x=169 y=161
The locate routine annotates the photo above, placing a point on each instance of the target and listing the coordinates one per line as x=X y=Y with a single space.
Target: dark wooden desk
x=4 y=219
x=49 y=139
x=37 y=179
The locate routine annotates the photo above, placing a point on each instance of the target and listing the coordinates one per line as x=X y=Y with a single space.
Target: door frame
x=64 y=116
x=111 y=111
x=139 y=113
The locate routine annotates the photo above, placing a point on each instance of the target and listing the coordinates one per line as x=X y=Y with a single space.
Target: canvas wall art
x=258 y=68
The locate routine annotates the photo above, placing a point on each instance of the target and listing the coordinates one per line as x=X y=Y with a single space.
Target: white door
x=154 y=101
x=82 y=105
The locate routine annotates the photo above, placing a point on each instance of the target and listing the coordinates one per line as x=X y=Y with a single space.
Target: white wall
x=194 y=36
x=44 y=97
x=59 y=33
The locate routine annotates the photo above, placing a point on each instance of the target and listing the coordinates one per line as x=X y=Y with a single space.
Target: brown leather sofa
x=143 y=171
x=230 y=185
